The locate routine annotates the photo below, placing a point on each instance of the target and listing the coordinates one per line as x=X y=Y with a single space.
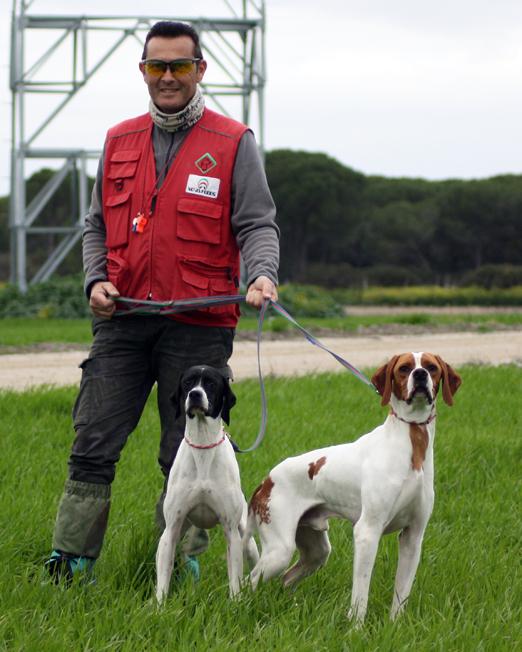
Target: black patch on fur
x=220 y=396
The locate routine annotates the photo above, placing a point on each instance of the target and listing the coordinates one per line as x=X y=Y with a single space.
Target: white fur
x=370 y=482
x=204 y=487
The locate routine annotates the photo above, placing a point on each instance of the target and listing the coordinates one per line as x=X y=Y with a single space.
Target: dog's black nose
x=420 y=375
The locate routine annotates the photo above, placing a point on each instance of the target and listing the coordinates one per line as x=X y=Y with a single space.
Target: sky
x=412 y=88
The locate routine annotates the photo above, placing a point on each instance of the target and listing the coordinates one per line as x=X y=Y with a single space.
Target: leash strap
x=148 y=307
x=313 y=340
x=264 y=408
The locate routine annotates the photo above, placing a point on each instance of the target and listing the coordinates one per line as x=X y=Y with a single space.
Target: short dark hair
x=172 y=29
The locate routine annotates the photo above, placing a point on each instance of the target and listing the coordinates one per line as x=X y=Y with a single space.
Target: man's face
x=168 y=92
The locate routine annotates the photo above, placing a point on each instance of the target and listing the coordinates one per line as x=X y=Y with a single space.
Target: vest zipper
x=151 y=245
x=163 y=173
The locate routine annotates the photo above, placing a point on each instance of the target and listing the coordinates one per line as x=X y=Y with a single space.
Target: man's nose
x=167 y=75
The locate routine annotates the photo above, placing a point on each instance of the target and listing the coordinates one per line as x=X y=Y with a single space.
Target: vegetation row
x=341 y=228
x=63 y=298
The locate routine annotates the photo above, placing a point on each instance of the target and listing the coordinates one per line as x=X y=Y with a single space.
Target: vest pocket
x=199 y=221
x=117 y=270
x=202 y=279
x=123 y=164
x=116 y=215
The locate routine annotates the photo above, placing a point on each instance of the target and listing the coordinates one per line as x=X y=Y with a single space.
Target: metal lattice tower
x=234 y=84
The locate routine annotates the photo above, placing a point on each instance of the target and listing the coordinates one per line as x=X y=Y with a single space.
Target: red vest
x=186 y=248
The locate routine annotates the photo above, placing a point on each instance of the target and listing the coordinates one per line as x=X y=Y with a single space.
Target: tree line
x=341 y=228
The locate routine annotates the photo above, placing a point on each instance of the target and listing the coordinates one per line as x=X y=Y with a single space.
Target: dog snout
x=420 y=376
x=195 y=398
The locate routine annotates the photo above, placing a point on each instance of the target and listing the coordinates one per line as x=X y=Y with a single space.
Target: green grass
x=354 y=323
x=25 y=331
x=467 y=594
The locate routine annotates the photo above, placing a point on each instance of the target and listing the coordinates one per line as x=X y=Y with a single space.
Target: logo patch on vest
x=205 y=163
x=204 y=186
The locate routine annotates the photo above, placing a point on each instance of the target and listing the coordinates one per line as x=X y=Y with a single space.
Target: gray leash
x=147 y=307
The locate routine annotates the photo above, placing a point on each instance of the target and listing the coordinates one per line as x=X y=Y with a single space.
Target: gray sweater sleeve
x=252 y=219
x=94 y=250
x=253 y=213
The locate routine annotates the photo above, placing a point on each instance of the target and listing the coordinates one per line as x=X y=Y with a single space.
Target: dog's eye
x=405 y=369
x=432 y=368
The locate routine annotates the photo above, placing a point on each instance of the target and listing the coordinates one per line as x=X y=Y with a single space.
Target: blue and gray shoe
x=63 y=567
x=191 y=568
x=186 y=568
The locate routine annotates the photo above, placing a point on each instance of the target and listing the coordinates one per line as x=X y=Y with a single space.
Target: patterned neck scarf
x=182 y=119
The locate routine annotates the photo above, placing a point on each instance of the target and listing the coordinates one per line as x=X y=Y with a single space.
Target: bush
x=341 y=275
x=394 y=275
x=63 y=298
x=438 y=296
x=60 y=297
x=302 y=301
x=494 y=276
x=309 y=301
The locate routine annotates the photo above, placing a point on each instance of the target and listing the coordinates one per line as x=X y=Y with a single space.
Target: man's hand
x=262 y=288
x=102 y=298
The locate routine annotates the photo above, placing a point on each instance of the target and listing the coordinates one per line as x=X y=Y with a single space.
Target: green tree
x=318 y=202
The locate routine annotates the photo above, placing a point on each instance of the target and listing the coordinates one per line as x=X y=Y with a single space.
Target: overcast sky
x=412 y=88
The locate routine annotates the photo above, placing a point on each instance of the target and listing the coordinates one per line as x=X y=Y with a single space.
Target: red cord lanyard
x=140 y=221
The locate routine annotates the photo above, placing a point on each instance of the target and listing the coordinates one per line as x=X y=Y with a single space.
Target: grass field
x=27 y=331
x=467 y=594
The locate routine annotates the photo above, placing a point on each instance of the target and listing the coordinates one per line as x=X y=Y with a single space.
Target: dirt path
x=289 y=357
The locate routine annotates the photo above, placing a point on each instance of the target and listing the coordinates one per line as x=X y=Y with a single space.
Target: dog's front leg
x=366 y=541
x=234 y=558
x=165 y=558
x=410 y=545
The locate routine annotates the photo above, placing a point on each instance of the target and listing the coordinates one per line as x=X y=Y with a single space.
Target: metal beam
x=234 y=42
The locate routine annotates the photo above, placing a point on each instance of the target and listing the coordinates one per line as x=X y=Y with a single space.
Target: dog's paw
x=355 y=617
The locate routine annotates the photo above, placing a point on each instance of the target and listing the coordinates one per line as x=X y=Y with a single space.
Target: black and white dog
x=204 y=485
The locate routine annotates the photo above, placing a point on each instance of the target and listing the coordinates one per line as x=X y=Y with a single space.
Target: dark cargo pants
x=128 y=355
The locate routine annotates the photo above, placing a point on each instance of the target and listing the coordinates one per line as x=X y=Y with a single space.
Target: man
x=179 y=192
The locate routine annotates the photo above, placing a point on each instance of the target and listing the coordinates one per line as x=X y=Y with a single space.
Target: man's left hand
x=262 y=288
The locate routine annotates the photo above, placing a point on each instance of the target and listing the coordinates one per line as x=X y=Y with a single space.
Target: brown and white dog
x=382 y=483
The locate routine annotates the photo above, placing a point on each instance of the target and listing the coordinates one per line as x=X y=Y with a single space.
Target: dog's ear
x=176 y=398
x=451 y=381
x=382 y=379
x=229 y=400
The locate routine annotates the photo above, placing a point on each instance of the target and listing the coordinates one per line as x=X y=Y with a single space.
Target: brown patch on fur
x=261 y=498
x=419 y=442
x=315 y=467
x=382 y=380
x=451 y=381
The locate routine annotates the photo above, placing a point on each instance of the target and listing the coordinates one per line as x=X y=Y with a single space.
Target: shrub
x=303 y=301
x=394 y=275
x=340 y=275
x=309 y=301
x=494 y=276
x=438 y=296
x=60 y=297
